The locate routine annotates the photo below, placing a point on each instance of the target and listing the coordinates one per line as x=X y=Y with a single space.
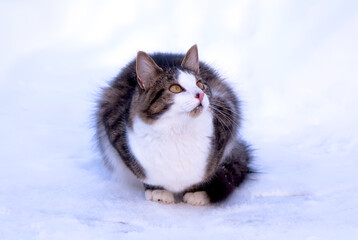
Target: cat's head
x=172 y=91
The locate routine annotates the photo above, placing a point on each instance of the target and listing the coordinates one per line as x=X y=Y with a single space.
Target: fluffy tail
x=230 y=174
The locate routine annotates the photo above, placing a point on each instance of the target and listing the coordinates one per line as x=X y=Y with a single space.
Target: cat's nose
x=200 y=96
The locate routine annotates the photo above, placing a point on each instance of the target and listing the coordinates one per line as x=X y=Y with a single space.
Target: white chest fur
x=173 y=153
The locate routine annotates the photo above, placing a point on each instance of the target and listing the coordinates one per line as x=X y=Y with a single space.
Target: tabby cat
x=174 y=124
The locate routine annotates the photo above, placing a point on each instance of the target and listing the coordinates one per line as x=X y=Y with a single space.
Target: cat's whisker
x=221 y=113
x=225 y=115
x=229 y=118
x=218 y=104
x=223 y=125
x=227 y=123
x=232 y=120
x=214 y=111
x=224 y=120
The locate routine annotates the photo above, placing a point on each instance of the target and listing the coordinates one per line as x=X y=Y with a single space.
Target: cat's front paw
x=196 y=198
x=160 y=196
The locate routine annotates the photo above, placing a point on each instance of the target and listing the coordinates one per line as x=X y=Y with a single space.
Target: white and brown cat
x=174 y=124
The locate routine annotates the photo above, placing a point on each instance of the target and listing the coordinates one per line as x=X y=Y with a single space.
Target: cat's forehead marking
x=188 y=81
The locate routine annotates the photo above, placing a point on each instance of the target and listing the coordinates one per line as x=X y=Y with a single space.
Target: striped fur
x=140 y=91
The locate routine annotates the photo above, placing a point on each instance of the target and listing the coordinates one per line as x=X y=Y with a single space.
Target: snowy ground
x=294 y=64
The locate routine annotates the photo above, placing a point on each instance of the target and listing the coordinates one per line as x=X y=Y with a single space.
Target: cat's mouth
x=196 y=111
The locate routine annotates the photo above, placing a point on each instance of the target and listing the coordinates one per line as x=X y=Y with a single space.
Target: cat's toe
x=197 y=198
x=161 y=196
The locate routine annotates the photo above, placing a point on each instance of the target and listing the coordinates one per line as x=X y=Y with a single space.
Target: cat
x=173 y=122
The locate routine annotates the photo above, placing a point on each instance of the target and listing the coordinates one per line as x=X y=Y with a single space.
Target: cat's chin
x=196 y=111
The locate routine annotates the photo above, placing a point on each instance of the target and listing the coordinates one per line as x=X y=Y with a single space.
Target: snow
x=294 y=64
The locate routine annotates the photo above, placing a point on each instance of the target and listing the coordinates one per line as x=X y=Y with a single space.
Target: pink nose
x=200 y=96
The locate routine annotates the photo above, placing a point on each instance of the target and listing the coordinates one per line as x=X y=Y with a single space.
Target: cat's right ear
x=147 y=70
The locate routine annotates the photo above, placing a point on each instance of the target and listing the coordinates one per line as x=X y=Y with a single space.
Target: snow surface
x=294 y=64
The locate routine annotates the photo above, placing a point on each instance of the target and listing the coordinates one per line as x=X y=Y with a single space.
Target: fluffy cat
x=174 y=124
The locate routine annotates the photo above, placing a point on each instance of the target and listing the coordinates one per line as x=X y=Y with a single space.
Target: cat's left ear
x=147 y=70
x=191 y=59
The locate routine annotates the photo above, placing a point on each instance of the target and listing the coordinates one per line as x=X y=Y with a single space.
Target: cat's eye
x=200 y=85
x=175 y=88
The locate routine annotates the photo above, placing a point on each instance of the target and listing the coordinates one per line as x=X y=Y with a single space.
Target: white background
x=293 y=63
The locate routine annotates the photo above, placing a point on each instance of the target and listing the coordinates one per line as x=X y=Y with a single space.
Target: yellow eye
x=175 y=88
x=200 y=85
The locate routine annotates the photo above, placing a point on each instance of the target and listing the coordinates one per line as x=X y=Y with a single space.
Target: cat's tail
x=230 y=174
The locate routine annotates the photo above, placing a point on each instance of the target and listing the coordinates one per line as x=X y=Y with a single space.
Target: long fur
x=206 y=155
